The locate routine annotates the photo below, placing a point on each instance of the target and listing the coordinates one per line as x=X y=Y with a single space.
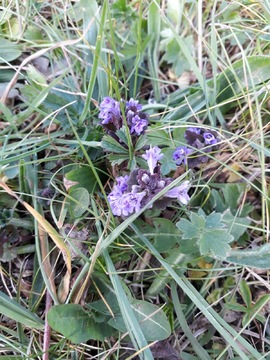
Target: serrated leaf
x=198 y=221
x=110 y=144
x=75 y=324
x=117 y=159
x=141 y=142
x=215 y=242
x=187 y=228
x=122 y=134
x=167 y=163
x=213 y=221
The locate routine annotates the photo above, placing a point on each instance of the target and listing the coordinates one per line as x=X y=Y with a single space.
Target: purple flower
x=194 y=129
x=180 y=155
x=152 y=156
x=133 y=105
x=180 y=193
x=209 y=138
x=125 y=204
x=120 y=204
x=138 y=125
x=109 y=111
x=122 y=184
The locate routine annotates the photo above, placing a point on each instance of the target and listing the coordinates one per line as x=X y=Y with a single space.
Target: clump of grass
x=178 y=275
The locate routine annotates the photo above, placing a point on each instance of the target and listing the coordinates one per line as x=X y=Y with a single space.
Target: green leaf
x=236 y=225
x=243 y=73
x=153 y=321
x=122 y=134
x=261 y=302
x=167 y=163
x=236 y=307
x=188 y=229
x=111 y=145
x=215 y=242
x=163 y=278
x=213 y=221
x=118 y=159
x=83 y=177
x=141 y=142
x=17 y=312
x=166 y=234
x=259 y=258
x=246 y=294
x=72 y=321
x=8 y=51
x=81 y=201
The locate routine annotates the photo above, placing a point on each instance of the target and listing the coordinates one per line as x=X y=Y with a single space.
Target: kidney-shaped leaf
x=152 y=319
x=72 y=321
x=81 y=201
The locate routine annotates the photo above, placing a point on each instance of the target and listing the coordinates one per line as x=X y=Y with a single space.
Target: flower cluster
x=198 y=139
x=112 y=117
x=132 y=192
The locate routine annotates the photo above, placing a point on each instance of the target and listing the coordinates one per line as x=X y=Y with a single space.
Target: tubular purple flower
x=133 y=105
x=209 y=138
x=180 y=192
x=138 y=125
x=180 y=155
x=125 y=204
x=109 y=110
x=121 y=184
x=152 y=156
x=120 y=204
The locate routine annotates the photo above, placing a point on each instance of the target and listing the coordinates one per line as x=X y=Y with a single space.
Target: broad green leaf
x=236 y=225
x=84 y=177
x=189 y=246
x=215 y=242
x=166 y=234
x=81 y=201
x=259 y=258
x=152 y=319
x=72 y=321
x=8 y=50
x=17 y=312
